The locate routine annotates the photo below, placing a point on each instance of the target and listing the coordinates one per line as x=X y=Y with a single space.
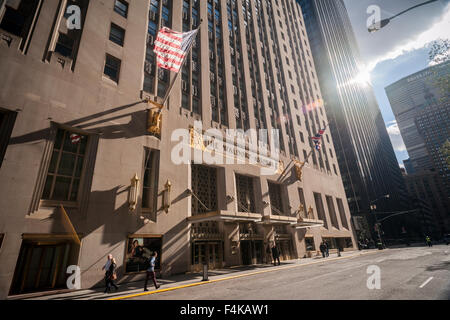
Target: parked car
x=447 y=239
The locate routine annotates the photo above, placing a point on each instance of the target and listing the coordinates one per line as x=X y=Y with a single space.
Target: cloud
x=439 y=30
x=396 y=138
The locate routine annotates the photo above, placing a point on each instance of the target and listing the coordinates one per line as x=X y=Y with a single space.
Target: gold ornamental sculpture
x=154 y=118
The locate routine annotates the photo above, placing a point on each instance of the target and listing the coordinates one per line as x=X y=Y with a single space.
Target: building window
x=112 y=68
x=64 y=45
x=332 y=212
x=117 y=34
x=245 y=193
x=302 y=137
x=150 y=181
x=2 y=235
x=204 y=186
x=18 y=20
x=320 y=209
x=7 y=119
x=139 y=250
x=301 y=196
x=309 y=244
x=66 y=167
x=276 y=202
x=342 y=213
x=121 y=7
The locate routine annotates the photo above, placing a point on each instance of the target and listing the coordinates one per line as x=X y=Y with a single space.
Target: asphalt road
x=406 y=273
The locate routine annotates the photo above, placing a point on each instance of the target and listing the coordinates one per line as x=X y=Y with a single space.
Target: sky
x=399 y=49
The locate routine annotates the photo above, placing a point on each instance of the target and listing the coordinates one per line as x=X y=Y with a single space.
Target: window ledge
x=9 y=40
x=59 y=60
x=109 y=81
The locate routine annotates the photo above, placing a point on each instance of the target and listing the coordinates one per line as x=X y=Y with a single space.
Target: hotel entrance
x=42 y=265
x=285 y=248
x=252 y=252
x=210 y=252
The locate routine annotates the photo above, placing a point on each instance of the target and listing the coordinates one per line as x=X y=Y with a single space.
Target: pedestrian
x=151 y=271
x=428 y=240
x=268 y=254
x=327 y=249
x=322 y=248
x=275 y=255
x=110 y=275
x=106 y=266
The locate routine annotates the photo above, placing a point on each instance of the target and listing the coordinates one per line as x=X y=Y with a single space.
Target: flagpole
x=178 y=73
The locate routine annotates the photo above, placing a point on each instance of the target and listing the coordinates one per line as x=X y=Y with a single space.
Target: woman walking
x=111 y=276
x=151 y=271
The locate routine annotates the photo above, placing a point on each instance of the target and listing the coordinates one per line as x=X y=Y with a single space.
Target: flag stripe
x=169 y=40
x=165 y=66
x=168 y=60
x=171 y=48
x=173 y=34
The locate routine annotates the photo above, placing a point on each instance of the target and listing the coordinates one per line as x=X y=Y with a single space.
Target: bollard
x=205 y=272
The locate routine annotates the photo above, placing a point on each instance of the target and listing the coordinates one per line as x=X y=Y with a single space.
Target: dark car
x=447 y=239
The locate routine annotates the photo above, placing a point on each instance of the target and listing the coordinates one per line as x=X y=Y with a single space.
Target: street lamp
x=373 y=207
x=380 y=24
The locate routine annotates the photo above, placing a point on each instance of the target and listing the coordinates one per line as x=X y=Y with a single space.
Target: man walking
x=106 y=268
x=151 y=271
x=428 y=240
x=275 y=255
x=110 y=275
x=327 y=249
x=322 y=248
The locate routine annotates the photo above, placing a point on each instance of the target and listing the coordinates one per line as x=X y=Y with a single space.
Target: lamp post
x=373 y=207
x=380 y=24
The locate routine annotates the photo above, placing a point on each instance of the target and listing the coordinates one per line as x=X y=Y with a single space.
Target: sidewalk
x=185 y=280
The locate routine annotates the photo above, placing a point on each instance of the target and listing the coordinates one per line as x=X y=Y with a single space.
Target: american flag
x=75 y=138
x=318 y=144
x=317 y=138
x=171 y=47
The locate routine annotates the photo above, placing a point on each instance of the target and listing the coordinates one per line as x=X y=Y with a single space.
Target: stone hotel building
x=86 y=166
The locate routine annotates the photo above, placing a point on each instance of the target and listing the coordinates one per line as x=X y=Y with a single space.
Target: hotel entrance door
x=41 y=266
x=251 y=252
x=206 y=252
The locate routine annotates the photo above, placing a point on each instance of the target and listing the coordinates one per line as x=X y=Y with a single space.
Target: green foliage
x=445 y=150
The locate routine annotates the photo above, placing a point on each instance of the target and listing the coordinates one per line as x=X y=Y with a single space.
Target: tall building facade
x=366 y=158
x=427 y=186
x=89 y=169
x=421 y=106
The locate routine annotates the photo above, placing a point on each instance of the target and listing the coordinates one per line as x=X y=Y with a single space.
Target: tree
x=445 y=150
x=439 y=51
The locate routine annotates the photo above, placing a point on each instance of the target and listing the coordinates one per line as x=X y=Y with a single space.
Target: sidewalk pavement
x=183 y=280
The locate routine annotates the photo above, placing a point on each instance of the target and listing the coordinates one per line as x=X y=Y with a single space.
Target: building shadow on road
x=137 y=286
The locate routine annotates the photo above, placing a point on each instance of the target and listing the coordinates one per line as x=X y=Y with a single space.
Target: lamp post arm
x=409 y=9
x=396 y=214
